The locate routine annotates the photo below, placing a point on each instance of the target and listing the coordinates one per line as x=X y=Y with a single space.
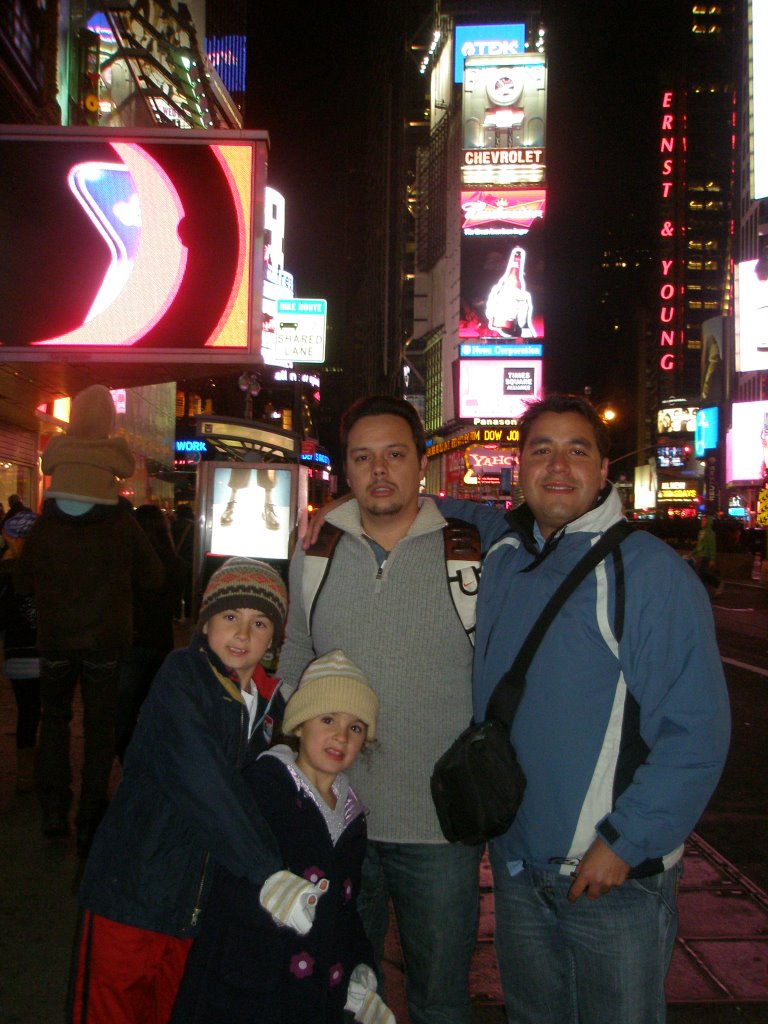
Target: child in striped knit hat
x=182 y=808
x=243 y=967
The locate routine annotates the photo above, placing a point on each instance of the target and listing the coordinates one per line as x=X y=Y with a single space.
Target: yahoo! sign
x=490 y=460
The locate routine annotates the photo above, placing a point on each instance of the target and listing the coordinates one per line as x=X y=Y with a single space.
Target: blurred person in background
x=21 y=662
x=81 y=561
x=153 y=615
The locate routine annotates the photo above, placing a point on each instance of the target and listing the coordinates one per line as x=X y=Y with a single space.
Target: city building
x=697 y=116
x=480 y=193
x=743 y=431
x=143 y=97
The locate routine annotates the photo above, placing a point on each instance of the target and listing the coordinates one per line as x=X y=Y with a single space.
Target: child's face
x=329 y=744
x=241 y=638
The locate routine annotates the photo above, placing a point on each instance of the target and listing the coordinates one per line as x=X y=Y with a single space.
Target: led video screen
x=748 y=447
x=251 y=511
x=497 y=388
x=141 y=242
x=501 y=290
x=501 y=211
x=676 y=420
x=671 y=457
x=505 y=102
x=752 y=315
x=707 y=425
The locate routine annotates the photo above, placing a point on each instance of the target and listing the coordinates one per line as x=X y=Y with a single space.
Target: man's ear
x=603 y=473
x=204 y=629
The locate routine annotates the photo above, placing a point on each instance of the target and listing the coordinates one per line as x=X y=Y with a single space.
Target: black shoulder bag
x=478 y=785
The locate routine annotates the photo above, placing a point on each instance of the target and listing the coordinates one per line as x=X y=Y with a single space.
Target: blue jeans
x=434 y=890
x=591 y=962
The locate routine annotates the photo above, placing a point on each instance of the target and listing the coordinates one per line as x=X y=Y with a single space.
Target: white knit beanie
x=331 y=683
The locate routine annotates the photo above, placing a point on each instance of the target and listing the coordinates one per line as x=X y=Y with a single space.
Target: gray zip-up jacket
x=399 y=624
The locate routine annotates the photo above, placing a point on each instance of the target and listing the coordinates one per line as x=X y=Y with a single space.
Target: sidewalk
x=719 y=972
x=719 y=969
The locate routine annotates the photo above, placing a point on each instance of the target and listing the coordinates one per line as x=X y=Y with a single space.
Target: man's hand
x=317 y=520
x=599 y=870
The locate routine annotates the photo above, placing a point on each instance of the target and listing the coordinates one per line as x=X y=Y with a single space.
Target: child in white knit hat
x=243 y=967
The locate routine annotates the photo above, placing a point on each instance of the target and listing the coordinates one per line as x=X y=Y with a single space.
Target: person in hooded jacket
x=243 y=967
x=622 y=732
x=182 y=809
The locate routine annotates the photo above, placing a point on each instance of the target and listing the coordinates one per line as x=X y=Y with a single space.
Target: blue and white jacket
x=625 y=740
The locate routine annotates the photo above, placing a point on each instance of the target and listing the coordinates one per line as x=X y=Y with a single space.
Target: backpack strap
x=317 y=562
x=463 y=562
x=508 y=693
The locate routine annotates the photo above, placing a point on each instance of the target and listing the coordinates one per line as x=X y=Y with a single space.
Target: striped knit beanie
x=331 y=683
x=246 y=583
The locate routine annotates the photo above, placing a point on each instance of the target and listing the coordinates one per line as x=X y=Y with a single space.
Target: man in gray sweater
x=385 y=601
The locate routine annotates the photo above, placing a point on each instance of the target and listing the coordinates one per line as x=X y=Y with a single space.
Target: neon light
x=669 y=290
x=140 y=299
x=237 y=165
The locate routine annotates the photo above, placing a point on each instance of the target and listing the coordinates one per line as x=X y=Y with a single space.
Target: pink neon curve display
x=142 y=282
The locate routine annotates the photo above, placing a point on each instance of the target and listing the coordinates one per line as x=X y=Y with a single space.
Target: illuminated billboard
x=278 y=282
x=672 y=456
x=497 y=388
x=504 y=119
x=678 y=492
x=712 y=349
x=676 y=420
x=485 y=41
x=752 y=315
x=141 y=240
x=748 y=442
x=500 y=290
x=706 y=431
x=501 y=211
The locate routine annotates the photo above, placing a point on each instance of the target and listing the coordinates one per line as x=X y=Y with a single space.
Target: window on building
x=433 y=396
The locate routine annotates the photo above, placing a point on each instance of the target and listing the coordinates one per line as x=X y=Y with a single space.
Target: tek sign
x=301 y=330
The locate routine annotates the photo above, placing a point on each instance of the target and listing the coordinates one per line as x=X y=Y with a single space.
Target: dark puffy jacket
x=182 y=802
x=243 y=967
x=82 y=571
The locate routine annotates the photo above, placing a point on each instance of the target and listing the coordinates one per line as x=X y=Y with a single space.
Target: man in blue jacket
x=622 y=733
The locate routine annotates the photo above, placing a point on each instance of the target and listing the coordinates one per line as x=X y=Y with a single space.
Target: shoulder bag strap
x=509 y=690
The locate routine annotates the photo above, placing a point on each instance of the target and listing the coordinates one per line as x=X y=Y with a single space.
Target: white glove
x=362 y=980
x=374 y=1011
x=291 y=900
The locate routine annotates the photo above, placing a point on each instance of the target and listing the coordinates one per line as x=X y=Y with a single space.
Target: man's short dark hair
x=560 y=403
x=382 y=405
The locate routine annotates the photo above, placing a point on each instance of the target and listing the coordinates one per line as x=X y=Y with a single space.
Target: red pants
x=126 y=975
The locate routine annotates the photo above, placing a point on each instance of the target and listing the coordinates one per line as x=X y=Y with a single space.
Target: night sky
x=602 y=123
